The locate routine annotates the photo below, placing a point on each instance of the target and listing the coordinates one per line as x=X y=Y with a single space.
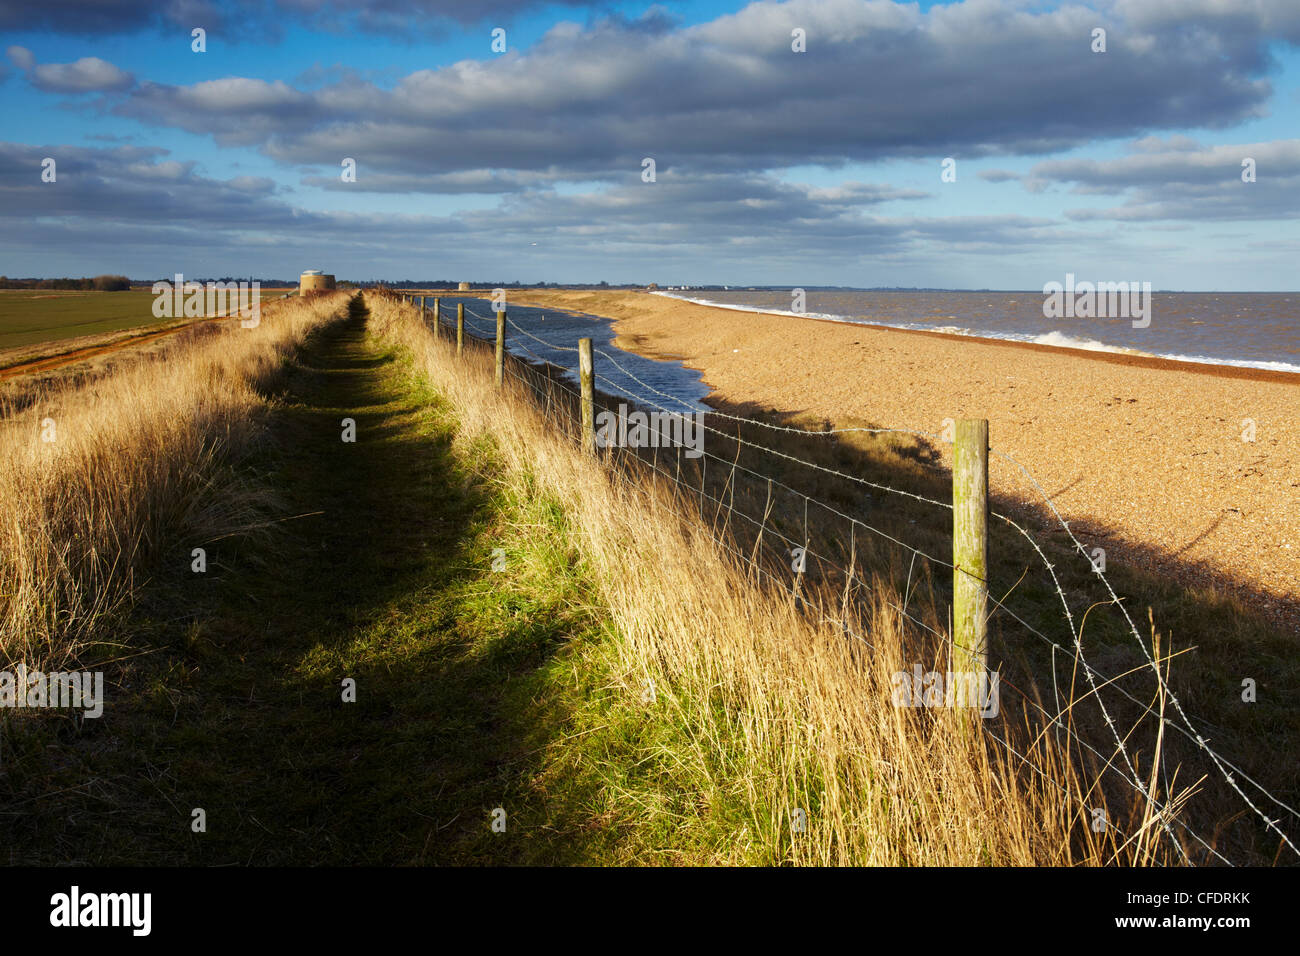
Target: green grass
x=30 y=316
x=476 y=689
x=1219 y=637
x=237 y=708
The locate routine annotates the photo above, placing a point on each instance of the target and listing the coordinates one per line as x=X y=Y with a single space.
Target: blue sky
x=820 y=167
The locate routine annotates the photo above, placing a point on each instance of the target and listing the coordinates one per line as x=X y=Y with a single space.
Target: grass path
x=385 y=580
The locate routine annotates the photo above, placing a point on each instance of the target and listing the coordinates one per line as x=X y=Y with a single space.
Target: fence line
x=1222 y=764
x=751 y=563
x=854 y=521
x=1088 y=670
x=1191 y=731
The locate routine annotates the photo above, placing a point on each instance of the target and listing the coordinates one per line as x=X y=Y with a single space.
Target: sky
x=983 y=144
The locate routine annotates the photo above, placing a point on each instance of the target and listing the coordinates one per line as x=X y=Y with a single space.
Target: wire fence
x=805 y=539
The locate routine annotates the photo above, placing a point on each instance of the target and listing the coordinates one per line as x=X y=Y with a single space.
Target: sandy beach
x=1144 y=457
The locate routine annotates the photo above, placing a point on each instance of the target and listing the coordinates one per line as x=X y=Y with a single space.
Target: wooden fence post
x=501 y=349
x=460 y=328
x=437 y=316
x=587 y=377
x=970 y=520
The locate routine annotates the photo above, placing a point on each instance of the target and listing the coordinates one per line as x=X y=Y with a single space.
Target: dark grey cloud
x=232 y=18
x=417 y=16
x=723 y=108
x=1182 y=181
x=106 y=17
x=131 y=184
x=466 y=181
x=704 y=209
x=137 y=201
x=878 y=80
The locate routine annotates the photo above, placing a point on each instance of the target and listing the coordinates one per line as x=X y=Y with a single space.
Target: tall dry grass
x=771 y=709
x=99 y=479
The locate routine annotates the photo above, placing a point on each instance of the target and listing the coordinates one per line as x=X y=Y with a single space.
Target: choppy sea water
x=549 y=336
x=1250 y=329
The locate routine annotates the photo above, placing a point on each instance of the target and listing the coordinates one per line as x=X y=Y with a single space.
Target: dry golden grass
x=768 y=708
x=100 y=478
x=762 y=711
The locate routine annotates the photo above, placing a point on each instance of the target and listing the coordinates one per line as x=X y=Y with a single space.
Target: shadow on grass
x=380 y=576
x=1220 y=636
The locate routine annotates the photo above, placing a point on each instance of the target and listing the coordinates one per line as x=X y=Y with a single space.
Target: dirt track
x=48 y=362
x=45 y=363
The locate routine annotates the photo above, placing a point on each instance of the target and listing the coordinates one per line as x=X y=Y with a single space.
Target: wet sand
x=1144 y=457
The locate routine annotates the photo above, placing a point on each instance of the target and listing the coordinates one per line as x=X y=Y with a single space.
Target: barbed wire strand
x=1191 y=732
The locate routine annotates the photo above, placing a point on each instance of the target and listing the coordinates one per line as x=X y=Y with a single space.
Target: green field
x=31 y=316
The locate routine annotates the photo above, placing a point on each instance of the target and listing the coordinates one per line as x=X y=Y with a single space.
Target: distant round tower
x=313 y=280
x=463 y=287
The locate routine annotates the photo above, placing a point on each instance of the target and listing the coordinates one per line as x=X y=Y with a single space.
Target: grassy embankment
x=1215 y=638
x=749 y=706
x=99 y=479
x=620 y=687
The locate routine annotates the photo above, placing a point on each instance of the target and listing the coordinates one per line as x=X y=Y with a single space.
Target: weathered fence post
x=437 y=316
x=587 y=378
x=423 y=310
x=501 y=349
x=970 y=520
x=460 y=327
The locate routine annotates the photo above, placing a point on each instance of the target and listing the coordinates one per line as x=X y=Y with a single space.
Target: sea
x=1249 y=329
x=544 y=335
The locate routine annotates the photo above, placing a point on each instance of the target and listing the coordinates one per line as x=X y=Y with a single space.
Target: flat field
x=29 y=316
x=32 y=316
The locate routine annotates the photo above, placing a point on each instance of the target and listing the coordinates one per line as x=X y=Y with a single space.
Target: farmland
x=34 y=316
x=31 y=316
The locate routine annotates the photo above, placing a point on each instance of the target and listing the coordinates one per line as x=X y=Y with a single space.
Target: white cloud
x=90 y=74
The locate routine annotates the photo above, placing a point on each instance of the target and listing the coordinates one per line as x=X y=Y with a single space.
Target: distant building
x=313 y=280
x=463 y=287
